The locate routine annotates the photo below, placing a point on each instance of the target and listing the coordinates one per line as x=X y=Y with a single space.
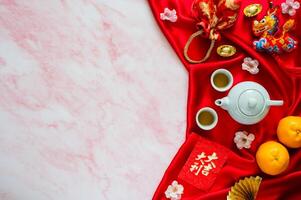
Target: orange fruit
x=289 y=131
x=272 y=158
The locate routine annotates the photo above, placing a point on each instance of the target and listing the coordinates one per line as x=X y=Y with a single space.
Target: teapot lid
x=251 y=102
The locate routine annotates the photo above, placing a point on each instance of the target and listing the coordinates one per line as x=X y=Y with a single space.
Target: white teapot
x=248 y=102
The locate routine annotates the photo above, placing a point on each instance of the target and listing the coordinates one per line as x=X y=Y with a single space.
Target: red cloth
x=279 y=74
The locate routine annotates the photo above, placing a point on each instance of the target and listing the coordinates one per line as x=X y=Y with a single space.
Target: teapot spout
x=275 y=102
x=223 y=103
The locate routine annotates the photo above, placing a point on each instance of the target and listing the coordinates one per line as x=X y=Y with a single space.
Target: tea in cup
x=206 y=118
x=221 y=80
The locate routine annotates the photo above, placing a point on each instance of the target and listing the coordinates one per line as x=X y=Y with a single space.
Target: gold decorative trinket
x=226 y=50
x=252 y=10
x=245 y=189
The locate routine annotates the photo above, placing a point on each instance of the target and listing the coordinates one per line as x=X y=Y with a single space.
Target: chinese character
x=212 y=157
x=196 y=167
x=207 y=168
x=200 y=156
x=200 y=162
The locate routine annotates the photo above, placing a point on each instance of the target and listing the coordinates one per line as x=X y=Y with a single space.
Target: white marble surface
x=92 y=100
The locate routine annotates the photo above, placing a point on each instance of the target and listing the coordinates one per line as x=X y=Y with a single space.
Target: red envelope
x=204 y=164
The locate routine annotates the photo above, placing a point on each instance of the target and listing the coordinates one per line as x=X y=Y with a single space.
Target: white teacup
x=221 y=80
x=206 y=118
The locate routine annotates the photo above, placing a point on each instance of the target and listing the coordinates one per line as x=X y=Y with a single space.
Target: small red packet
x=204 y=163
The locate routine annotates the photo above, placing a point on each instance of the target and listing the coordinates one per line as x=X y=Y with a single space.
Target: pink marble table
x=92 y=100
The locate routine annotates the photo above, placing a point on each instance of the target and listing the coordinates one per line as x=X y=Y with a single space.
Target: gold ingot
x=226 y=50
x=252 y=10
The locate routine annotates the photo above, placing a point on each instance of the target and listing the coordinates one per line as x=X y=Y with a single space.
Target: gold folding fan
x=245 y=189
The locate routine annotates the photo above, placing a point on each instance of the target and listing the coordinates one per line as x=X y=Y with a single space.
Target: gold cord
x=191 y=38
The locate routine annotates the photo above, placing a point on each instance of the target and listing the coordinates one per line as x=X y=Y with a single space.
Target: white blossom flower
x=290 y=7
x=174 y=191
x=242 y=140
x=170 y=15
x=250 y=65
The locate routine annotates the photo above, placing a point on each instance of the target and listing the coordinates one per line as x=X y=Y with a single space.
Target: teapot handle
x=275 y=102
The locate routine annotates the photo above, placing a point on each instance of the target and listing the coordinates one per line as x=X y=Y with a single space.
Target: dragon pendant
x=271 y=39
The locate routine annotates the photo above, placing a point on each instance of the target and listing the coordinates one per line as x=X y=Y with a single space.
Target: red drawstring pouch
x=195 y=35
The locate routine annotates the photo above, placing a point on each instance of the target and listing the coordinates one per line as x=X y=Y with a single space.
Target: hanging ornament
x=211 y=17
x=273 y=39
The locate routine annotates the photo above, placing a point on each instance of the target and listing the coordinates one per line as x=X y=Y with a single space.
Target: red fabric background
x=279 y=74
